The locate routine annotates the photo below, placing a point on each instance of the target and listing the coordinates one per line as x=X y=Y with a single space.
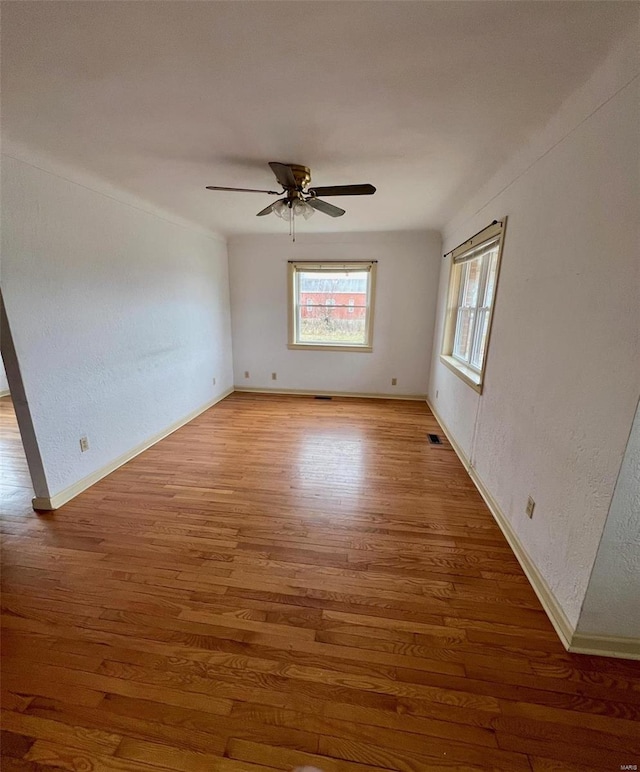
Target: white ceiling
x=422 y=99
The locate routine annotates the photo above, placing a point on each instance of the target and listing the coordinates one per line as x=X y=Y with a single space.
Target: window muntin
x=331 y=305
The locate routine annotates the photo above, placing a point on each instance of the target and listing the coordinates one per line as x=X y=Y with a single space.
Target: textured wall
x=407 y=278
x=563 y=369
x=612 y=603
x=120 y=319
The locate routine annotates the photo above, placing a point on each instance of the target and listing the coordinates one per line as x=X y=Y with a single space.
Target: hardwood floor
x=290 y=581
x=16 y=491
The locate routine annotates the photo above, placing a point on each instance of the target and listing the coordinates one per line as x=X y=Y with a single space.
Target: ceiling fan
x=299 y=199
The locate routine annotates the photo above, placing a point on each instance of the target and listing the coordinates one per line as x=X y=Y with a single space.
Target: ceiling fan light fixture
x=302 y=209
x=282 y=209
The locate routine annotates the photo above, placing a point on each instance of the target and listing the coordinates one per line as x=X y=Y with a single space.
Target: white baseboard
x=452 y=441
x=549 y=603
x=576 y=643
x=4 y=393
x=312 y=393
x=546 y=597
x=58 y=499
x=605 y=646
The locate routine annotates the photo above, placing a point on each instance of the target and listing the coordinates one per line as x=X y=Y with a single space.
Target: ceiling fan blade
x=325 y=208
x=246 y=190
x=284 y=175
x=343 y=190
x=266 y=210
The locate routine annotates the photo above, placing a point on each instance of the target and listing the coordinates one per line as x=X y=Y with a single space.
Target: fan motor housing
x=302 y=174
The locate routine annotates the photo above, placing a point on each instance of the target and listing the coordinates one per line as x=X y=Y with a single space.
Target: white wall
x=120 y=319
x=407 y=275
x=4 y=384
x=612 y=603
x=563 y=369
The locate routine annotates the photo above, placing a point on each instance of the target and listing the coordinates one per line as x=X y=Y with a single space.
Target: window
x=331 y=305
x=472 y=289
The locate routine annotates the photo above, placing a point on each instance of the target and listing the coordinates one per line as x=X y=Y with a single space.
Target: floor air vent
x=434 y=439
x=322 y=396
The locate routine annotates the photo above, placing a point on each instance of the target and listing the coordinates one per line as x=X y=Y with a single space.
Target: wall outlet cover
x=531 y=505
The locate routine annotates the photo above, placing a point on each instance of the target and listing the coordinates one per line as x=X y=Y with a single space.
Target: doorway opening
x=21 y=468
x=16 y=488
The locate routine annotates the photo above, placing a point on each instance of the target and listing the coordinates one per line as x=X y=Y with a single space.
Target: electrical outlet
x=214 y=381
x=394 y=381
x=274 y=376
x=246 y=373
x=84 y=444
x=531 y=505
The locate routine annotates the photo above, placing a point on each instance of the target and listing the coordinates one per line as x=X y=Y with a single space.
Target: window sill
x=469 y=376
x=329 y=347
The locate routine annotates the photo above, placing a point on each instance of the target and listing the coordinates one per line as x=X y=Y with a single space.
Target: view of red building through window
x=332 y=307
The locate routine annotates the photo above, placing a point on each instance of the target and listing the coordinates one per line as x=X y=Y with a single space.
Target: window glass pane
x=480 y=338
x=464 y=328
x=332 y=324
x=332 y=307
x=491 y=277
x=462 y=282
x=471 y=282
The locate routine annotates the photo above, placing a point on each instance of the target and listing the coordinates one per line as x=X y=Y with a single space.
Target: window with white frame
x=331 y=305
x=472 y=290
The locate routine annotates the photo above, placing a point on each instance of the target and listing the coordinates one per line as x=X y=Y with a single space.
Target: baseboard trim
x=452 y=441
x=574 y=642
x=311 y=393
x=58 y=499
x=4 y=393
x=605 y=646
x=554 y=611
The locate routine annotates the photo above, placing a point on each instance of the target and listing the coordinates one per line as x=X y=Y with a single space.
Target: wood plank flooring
x=16 y=490
x=290 y=581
